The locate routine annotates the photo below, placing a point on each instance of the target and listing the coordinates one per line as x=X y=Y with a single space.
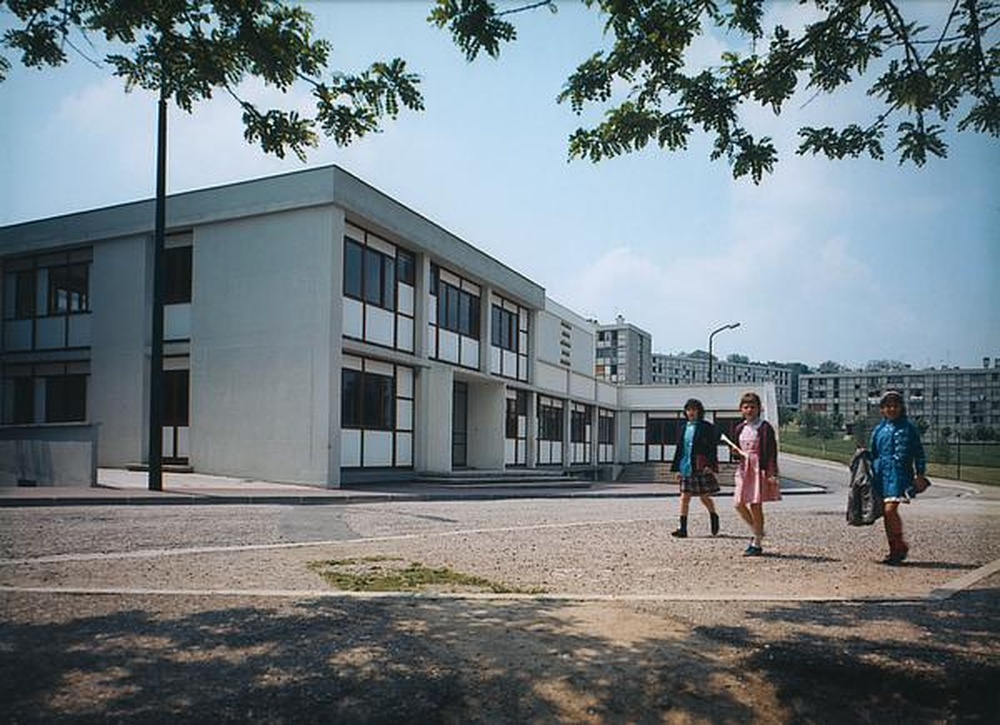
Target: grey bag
x=864 y=502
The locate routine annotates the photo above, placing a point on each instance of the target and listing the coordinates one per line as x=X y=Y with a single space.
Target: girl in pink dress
x=757 y=473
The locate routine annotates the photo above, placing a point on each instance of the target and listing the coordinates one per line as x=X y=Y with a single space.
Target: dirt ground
x=112 y=658
x=615 y=622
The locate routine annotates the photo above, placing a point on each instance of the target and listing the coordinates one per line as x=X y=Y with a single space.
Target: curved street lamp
x=730 y=326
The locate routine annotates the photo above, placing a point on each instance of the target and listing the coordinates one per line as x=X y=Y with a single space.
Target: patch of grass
x=389 y=574
x=979 y=464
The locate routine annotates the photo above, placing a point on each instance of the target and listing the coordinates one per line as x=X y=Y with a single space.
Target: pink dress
x=752 y=485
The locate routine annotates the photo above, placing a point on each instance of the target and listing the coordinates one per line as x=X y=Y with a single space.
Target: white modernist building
x=315 y=331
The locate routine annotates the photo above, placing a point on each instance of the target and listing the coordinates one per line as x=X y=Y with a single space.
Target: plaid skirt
x=700 y=483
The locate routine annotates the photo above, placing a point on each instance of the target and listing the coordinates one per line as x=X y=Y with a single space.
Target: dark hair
x=696 y=404
x=893 y=395
x=751 y=397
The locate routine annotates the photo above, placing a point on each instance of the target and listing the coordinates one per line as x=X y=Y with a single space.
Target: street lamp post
x=730 y=326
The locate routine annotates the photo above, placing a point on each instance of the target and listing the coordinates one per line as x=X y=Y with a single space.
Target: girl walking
x=757 y=473
x=696 y=461
x=897 y=457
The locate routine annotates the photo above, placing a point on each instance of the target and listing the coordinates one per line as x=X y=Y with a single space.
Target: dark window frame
x=504 y=328
x=368 y=400
x=177 y=275
x=66 y=398
x=374 y=280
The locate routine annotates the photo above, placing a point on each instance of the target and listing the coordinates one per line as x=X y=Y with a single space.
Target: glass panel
x=177 y=275
x=350 y=399
x=352 y=269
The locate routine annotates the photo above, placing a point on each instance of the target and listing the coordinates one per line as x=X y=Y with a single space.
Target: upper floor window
x=48 y=285
x=504 y=328
x=177 y=275
x=370 y=275
x=457 y=309
x=69 y=289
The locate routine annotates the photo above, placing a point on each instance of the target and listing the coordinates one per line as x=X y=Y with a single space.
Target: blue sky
x=847 y=261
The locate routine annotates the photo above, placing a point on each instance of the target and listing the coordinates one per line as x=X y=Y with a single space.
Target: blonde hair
x=752 y=398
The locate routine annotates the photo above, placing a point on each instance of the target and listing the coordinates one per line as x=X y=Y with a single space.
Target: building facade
x=315 y=331
x=693 y=370
x=624 y=354
x=957 y=399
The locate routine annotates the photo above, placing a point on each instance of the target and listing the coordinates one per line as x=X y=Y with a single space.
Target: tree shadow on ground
x=346 y=660
x=66 y=658
x=933 y=662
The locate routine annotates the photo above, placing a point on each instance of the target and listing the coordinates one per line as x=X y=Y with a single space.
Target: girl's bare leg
x=757 y=522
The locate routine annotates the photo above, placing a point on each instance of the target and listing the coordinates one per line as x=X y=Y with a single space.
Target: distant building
x=624 y=354
x=960 y=399
x=693 y=370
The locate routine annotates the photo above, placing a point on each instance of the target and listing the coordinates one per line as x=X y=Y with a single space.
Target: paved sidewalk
x=117 y=486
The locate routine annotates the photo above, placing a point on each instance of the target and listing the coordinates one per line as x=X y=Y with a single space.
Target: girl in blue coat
x=897 y=457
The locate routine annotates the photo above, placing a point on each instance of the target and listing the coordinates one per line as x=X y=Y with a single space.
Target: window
x=550 y=421
x=458 y=310
x=368 y=401
x=605 y=427
x=578 y=426
x=175 y=397
x=510 y=426
x=24 y=295
x=369 y=275
x=661 y=431
x=68 y=289
x=23 y=401
x=66 y=399
x=176 y=275
x=353 y=262
x=504 y=328
x=406 y=266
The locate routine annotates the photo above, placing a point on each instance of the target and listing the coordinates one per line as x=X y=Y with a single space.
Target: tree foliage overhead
x=925 y=80
x=187 y=50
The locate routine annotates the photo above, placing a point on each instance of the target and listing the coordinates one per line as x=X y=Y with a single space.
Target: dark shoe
x=753 y=551
x=715 y=523
x=680 y=533
x=897 y=556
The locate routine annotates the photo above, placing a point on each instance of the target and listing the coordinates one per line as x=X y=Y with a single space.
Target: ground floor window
x=45 y=393
x=377 y=413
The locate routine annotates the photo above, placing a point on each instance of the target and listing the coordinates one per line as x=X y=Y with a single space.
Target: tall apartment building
x=315 y=330
x=693 y=370
x=960 y=399
x=624 y=354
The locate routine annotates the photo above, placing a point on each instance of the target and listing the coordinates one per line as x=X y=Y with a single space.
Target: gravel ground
x=631 y=625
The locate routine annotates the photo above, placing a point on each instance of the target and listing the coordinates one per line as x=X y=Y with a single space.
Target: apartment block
x=959 y=399
x=693 y=370
x=624 y=354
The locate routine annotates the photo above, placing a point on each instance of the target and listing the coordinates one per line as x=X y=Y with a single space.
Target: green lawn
x=980 y=462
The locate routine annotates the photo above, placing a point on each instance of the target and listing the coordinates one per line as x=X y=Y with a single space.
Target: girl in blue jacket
x=897 y=457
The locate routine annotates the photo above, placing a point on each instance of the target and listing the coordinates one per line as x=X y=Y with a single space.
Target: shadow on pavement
x=156 y=659
x=932 y=663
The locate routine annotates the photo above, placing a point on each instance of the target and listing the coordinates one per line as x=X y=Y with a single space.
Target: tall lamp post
x=730 y=326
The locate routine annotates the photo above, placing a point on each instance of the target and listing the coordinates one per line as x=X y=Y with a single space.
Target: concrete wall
x=487 y=408
x=432 y=444
x=119 y=357
x=62 y=454
x=265 y=321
